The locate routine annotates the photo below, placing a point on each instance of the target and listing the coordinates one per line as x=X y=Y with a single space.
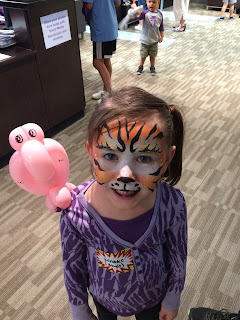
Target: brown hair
x=136 y=104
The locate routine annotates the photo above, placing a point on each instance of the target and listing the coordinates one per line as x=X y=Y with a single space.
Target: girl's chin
x=125 y=195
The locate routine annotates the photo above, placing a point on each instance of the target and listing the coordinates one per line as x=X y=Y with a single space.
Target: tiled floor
x=198 y=69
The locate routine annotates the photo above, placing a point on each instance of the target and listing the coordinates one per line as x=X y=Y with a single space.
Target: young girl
x=124 y=236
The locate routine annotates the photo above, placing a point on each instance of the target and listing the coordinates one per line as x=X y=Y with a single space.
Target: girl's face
x=130 y=157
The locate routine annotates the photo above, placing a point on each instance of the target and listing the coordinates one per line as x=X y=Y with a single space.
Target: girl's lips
x=125 y=194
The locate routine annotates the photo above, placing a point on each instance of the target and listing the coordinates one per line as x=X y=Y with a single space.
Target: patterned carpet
x=198 y=69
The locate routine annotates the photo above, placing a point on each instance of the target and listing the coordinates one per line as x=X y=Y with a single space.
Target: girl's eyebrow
x=153 y=150
x=106 y=147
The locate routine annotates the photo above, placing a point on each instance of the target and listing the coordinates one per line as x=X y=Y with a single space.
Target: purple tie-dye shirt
x=125 y=277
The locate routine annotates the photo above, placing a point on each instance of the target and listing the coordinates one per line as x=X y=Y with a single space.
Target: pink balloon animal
x=40 y=166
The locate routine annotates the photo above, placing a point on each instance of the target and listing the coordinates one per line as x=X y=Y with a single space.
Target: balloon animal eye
x=32 y=133
x=19 y=138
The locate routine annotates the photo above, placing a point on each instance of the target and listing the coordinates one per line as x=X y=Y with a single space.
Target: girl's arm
x=176 y=251
x=74 y=254
x=165 y=314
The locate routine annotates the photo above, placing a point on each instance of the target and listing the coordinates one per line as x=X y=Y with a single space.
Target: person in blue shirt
x=104 y=32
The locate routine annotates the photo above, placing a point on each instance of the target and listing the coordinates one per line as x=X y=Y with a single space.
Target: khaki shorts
x=148 y=50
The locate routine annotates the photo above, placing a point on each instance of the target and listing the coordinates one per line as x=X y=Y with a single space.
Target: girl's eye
x=144 y=159
x=110 y=156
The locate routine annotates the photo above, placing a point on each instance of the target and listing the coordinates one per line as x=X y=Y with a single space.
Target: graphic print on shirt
x=132 y=143
x=153 y=21
x=119 y=262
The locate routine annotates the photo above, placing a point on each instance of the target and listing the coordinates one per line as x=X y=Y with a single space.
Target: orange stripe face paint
x=129 y=155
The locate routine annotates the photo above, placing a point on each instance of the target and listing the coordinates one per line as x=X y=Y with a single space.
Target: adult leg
x=103 y=313
x=151 y=313
x=181 y=27
x=182 y=22
x=99 y=64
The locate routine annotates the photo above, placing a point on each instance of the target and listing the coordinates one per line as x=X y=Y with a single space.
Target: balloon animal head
x=40 y=166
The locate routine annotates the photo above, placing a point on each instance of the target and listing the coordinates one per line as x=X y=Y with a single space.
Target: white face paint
x=129 y=156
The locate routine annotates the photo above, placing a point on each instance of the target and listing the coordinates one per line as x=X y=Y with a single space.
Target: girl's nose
x=125 y=179
x=126 y=174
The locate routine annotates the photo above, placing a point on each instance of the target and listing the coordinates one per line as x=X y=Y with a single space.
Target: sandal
x=180 y=28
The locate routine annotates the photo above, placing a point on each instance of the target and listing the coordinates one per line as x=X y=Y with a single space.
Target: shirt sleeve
x=82 y=312
x=176 y=250
x=75 y=268
x=142 y=15
x=161 y=28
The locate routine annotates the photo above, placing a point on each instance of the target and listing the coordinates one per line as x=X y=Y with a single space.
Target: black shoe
x=211 y=314
x=152 y=71
x=140 y=70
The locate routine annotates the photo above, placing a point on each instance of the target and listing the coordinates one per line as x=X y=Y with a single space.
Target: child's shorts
x=104 y=50
x=229 y=1
x=148 y=50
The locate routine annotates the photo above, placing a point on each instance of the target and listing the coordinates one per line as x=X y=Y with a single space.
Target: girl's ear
x=89 y=150
x=170 y=155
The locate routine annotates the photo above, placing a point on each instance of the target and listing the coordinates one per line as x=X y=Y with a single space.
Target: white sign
x=4 y=56
x=55 y=28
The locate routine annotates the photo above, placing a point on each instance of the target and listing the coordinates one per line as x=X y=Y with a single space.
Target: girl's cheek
x=103 y=176
x=149 y=181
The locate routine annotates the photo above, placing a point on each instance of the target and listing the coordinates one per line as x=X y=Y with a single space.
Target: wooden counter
x=39 y=85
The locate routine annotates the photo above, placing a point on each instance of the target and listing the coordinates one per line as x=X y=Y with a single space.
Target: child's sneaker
x=211 y=314
x=221 y=18
x=98 y=95
x=152 y=71
x=140 y=70
x=231 y=17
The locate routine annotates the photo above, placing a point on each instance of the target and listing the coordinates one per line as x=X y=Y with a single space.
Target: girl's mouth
x=125 y=193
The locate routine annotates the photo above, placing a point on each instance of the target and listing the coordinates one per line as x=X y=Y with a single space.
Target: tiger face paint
x=129 y=156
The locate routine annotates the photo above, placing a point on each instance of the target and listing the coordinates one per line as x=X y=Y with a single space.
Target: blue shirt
x=124 y=277
x=103 y=24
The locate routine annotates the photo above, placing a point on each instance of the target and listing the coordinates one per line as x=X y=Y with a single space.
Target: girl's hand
x=165 y=314
x=160 y=40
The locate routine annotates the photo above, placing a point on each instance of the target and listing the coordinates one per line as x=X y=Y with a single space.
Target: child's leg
x=151 y=313
x=152 y=61
x=142 y=60
x=143 y=53
x=153 y=51
x=231 y=9
x=224 y=7
x=103 y=313
x=100 y=65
